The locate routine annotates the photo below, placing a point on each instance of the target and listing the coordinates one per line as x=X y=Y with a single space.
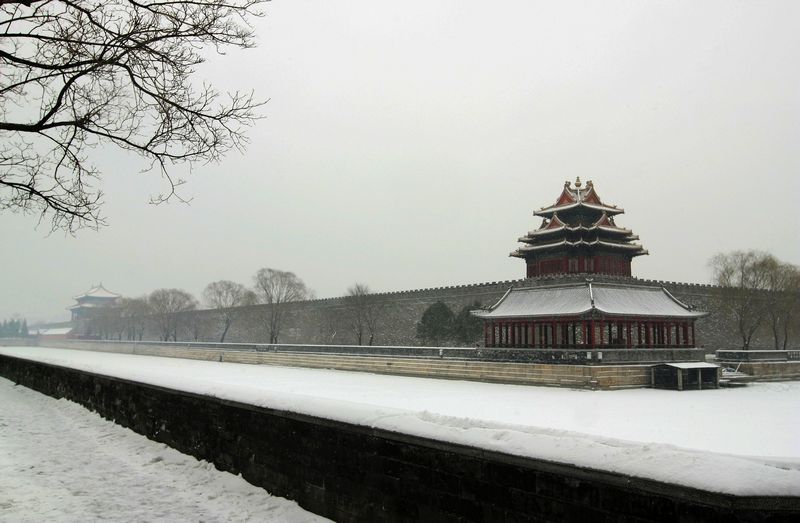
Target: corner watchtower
x=578 y=235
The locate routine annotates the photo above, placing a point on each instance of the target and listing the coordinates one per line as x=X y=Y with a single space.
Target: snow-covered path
x=739 y=441
x=60 y=462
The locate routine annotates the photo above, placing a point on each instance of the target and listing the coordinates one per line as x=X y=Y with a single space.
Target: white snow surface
x=61 y=463
x=743 y=441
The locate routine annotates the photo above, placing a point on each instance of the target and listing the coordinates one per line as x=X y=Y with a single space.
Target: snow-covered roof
x=549 y=230
x=577 y=299
x=549 y=211
x=97 y=291
x=578 y=196
x=581 y=243
x=88 y=305
x=692 y=365
x=55 y=331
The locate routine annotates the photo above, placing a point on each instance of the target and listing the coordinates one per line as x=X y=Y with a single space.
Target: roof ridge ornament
x=577 y=181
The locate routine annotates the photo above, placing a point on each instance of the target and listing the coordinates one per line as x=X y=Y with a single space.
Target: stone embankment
x=356 y=473
x=608 y=369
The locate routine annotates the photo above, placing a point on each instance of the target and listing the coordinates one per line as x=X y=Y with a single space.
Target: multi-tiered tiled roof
x=578 y=234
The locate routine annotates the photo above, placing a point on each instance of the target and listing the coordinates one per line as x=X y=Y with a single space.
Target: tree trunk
x=225 y=331
x=785 y=335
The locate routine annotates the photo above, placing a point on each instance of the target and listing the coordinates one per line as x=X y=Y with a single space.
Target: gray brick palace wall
x=325 y=321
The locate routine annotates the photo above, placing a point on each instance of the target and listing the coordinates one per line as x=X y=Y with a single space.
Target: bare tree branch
x=77 y=75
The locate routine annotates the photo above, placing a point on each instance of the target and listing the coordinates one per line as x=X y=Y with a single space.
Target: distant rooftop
x=97 y=291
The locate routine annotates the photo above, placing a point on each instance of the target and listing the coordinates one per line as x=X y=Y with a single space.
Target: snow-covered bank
x=60 y=462
x=740 y=441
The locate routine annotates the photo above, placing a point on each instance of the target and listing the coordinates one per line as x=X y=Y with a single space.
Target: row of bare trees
x=756 y=290
x=276 y=289
x=166 y=309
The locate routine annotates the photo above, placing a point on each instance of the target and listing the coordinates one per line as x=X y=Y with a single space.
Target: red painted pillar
x=694 y=344
x=531 y=339
x=668 y=328
x=628 y=340
x=525 y=338
x=540 y=334
x=603 y=332
x=531 y=334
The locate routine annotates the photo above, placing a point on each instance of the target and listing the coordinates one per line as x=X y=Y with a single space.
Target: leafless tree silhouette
x=75 y=75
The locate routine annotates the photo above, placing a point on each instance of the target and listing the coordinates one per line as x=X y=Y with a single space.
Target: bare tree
x=277 y=288
x=78 y=74
x=106 y=323
x=134 y=312
x=783 y=300
x=742 y=277
x=225 y=295
x=328 y=325
x=364 y=312
x=166 y=305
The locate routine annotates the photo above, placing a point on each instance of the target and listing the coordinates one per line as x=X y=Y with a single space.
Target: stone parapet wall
x=355 y=473
x=756 y=355
x=767 y=370
x=598 y=376
x=551 y=356
x=30 y=341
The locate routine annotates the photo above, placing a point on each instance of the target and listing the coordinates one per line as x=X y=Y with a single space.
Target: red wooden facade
x=563 y=333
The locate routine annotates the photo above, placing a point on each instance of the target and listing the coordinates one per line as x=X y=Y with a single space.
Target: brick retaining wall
x=603 y=376
x=355 y=473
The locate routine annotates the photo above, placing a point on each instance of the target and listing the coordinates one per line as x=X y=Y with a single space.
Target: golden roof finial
x=578 y=181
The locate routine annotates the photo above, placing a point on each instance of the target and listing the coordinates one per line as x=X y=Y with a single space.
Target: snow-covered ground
x=742 y=441
x=60 y=462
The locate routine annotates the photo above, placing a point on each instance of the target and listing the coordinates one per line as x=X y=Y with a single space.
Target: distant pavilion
x=588 y=298
x=91 y=300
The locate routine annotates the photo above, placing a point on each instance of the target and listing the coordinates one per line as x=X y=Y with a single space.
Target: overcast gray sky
x=406 y=145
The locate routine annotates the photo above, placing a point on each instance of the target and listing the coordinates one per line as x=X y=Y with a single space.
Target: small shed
x=681 y=376
x=53 y=333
